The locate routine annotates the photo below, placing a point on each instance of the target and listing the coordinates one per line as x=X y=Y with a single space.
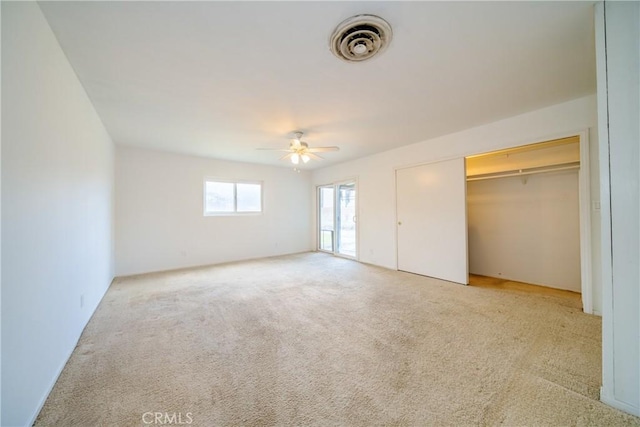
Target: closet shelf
x=527 y=171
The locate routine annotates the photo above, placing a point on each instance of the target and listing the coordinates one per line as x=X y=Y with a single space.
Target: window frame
x=235 y=183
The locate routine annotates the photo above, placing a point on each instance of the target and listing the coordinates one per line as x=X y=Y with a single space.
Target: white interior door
x=432 y=220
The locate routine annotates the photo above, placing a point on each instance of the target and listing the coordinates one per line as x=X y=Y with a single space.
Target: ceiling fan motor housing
x=360 y=37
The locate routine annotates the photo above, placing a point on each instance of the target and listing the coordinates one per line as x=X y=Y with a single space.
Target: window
x=230 y=198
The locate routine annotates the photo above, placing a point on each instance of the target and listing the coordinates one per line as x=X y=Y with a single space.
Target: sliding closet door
x=432 y=220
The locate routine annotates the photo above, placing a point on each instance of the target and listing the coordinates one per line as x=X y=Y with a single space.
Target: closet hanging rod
x=523 y=172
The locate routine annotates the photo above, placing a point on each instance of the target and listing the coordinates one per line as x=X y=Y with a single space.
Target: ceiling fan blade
x=322 y=149
x=288 y=150
x=299 y=150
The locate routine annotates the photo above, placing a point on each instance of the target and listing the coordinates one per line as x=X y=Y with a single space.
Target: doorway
x=337 y=218
x=524 y=214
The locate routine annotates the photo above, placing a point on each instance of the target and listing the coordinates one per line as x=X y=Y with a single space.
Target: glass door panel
x=326 y=216
x=346 y=219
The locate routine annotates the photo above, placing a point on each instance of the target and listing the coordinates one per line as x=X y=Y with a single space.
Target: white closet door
x=432 y=220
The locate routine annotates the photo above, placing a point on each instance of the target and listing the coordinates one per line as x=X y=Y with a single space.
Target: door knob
x=399 y=222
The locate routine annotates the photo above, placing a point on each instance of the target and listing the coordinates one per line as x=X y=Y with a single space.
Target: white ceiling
x=221 y=79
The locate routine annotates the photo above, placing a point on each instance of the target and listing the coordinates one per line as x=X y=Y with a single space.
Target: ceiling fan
x=299 y=150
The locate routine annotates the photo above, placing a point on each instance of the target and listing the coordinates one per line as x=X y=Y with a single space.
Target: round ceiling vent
x=360 y=37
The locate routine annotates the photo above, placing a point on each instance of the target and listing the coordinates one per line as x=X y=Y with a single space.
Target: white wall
x=375 y=174
x=0 y=224
x=57 y=174
x=528 y=232
x=159 y=212
x=618 y=61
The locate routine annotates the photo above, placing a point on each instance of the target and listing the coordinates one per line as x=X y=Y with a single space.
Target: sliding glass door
x=326 y=216
x=337 y=216
x=346 y=219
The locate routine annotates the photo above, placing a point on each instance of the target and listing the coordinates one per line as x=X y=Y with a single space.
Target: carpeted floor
x=312 y=339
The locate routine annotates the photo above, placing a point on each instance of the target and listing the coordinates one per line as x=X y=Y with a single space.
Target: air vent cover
x=360 y=37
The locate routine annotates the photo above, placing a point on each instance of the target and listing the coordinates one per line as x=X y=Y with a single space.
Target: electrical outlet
x=596 y=205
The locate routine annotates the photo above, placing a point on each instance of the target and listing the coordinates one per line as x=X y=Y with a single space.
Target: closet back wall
x=528 y=232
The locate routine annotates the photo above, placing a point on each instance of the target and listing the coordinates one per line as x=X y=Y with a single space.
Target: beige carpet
x=312 y=339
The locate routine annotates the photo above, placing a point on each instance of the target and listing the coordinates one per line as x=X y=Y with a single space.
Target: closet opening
x=528 y=216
